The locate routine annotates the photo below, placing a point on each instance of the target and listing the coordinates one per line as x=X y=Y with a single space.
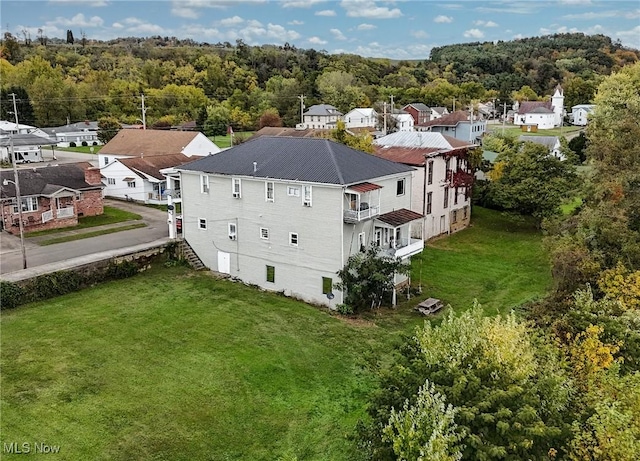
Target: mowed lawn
x=177 y=365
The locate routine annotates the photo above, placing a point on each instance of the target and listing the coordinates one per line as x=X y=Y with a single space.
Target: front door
x=224 y=262
x=442 y=224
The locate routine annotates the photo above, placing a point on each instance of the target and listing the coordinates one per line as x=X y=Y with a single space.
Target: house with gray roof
x=580 y=114
x=27 y=147
x=50 y=197
x=320 y=116
x=552 y=143
x=80 y=134
x=286 y=213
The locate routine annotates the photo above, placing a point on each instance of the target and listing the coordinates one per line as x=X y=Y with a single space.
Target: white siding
x=201 y=145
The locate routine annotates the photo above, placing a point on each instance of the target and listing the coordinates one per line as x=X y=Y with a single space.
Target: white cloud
x=518 y=36
x=630 y=37
x=93 y=3
x=369 y=9
x=419 y=34
x=632 y=14
x=337 y=34
x=300 y=3
x=78 y=20
x=376 y=50
x=317 y=41
x=366 y=27
x=482 y=23
x=181 y=12
x=511 y=8
x=442 y=19
x=255 y=33
x=473 y=33
x=451 y=6
x=231 y=22
x=326 y=13
x=295 y=22
x=575 y=2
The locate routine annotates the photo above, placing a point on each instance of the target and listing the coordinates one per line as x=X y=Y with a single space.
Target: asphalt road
x=11 y=254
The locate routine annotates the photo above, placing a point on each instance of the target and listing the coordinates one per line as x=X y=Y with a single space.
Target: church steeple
x=557 y=101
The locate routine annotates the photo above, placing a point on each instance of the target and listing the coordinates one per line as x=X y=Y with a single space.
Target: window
x=446 y=168
x=430 y=173
x=106 y=160
x=293 y=239
x=28 y=204
x=446 y=197
x=306 y=200
x=271 y=274
x=131 y=184
x=454 y=218
x=235 y=188
x=269 y=192
x=327 y=285
x=204 y=184
x=264 y=233
x=362 y=240
x=455 y=197
x=233 y=232
x=111 y=181
x=429 y=202
x=293 y=191
x=400 y=187
x=202 y=223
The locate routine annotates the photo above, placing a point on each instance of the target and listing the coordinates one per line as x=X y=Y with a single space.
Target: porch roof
x=364 y=187
x=399 y=217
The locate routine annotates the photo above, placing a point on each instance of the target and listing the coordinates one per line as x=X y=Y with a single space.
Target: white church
x=542 y=114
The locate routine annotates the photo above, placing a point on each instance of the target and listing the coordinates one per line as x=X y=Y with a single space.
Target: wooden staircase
x=190 y=256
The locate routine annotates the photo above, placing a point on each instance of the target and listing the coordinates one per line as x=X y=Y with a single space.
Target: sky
x=394 y=29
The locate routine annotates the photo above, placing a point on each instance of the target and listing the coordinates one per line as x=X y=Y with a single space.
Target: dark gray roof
x=298 y=159
x=549 y=141
x=73 y=127
x=323 y=109
x=26 y=140
x=418 y=106
x=46 y=180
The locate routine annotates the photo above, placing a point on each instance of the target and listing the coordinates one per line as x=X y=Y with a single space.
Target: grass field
x=81 y=149
x=225 y=141
x=176 y=365
x=111 y=215
x=517 y=131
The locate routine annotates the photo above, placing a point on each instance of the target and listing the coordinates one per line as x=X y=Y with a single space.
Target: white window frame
x=430 y=172
x=29 y=204
x=293 y=191
x=131 y=184
x=232 y=230
x=204 y=184
x=429 y=202
x=293 y=239
x=202 y=223
x=264 y=233
x=268 y=184
x=307 y=195
x=402 y=181
x=111 y=181
x=236 y=192
x=362 y=240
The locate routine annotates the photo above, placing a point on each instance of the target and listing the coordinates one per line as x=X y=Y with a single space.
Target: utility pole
x=301 y=98
x=471 y=140
x=144 y=114
x=16 y=183
x=384 y=116
x=454 y=104
x=504 y=118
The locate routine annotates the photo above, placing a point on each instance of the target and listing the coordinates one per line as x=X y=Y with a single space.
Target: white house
x=543 y=114
x=580 y=114
x=320 y=116
x=81 y=134
x=442 y=182
x=404 y=120
x=552 y=143
x=361 y=118
x=459 y=124
x=286 y=213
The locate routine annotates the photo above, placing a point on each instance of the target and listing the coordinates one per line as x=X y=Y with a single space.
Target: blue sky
x=399 y=29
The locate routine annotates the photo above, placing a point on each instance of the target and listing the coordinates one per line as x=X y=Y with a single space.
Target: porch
x=399 y=233
x=362 y=202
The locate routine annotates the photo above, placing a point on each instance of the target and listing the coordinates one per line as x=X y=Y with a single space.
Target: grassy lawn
x=81 y=149
x=111 y=215
x=176 y=365
x=517 y=131
x=225 y=141
x=86 y=235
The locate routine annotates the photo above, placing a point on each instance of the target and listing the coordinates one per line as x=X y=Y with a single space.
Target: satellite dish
x=330 y=295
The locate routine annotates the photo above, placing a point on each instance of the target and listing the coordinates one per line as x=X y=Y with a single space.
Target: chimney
x=92 y=176
x=255 y=167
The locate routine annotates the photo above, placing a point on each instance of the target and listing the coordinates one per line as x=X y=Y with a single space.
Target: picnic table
x=429 y=306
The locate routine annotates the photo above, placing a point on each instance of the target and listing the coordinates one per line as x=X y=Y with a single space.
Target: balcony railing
x=353 y=216
x=47 y=216
x=66 y=212
x=404 y=247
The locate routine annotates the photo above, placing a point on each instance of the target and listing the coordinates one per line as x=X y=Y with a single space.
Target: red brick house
x=51 y=196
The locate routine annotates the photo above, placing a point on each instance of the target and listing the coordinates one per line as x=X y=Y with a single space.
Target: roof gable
x=298 y=159
x=47 y=180
x=148 y=142
x=151 y=166
x=451 y=119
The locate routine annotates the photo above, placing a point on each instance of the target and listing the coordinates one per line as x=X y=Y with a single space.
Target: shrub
x=50 y=285
x=95 y=143
x=72 y=144
x=122 y=270
x=84 y=144
x=344 y=309
x=11 y=295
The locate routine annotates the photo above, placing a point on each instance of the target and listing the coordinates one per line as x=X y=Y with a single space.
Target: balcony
x=355 y=216
x=66 y=212
x=407 y=247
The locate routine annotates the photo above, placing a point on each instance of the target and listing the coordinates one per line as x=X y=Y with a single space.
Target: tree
x=578 y=145
x=70 y=39
x=108 y=127
x=531 y=181
x=508 y=390
x=363 y=142
x=367 y=278
x=269 y=117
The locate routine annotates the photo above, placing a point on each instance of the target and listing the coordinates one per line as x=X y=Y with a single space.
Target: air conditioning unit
x=236 y=195
x=306 y=204
x=232 y=237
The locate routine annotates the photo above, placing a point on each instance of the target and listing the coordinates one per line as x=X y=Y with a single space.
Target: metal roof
x=298 y=159
x=399 y=217
x=365 y=187
x=26 y=140
x=549 y=141
x=424 y=139
x=323 y=109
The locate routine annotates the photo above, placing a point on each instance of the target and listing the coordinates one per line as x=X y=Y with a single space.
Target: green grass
x=517 y=131
x=568 y=207
x=86 y=235
x=111 y=215
x=81 y=149
x=176 y=365
x=225 y=141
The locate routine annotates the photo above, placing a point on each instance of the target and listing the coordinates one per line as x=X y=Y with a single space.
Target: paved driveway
x=11 y=254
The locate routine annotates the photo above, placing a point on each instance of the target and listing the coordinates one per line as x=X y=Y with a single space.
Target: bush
x=121 y=270
x=11 y=295
x=72 y=144
x=95 y=143
x=344 y=309
x=84 y=144
x=50 y=285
